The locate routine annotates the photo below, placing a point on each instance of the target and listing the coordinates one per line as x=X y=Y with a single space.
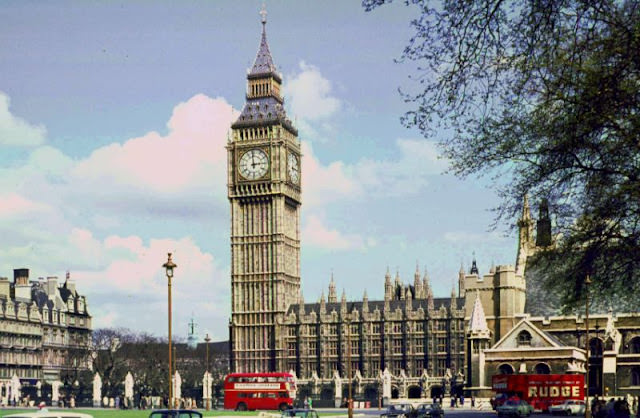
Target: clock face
x=293 y=168
x=253 y=164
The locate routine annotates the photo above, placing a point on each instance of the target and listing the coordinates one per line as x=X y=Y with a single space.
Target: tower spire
x=263 y=64
x=263 y=14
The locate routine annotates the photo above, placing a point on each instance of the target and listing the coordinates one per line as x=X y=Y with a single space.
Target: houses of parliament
x=410 y=344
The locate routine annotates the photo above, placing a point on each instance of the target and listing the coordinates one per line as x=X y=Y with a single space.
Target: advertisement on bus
x=540 y=390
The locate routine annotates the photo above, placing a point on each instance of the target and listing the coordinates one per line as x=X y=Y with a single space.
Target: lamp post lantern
x=587 y=282
x=169 y=266
x=207 y=339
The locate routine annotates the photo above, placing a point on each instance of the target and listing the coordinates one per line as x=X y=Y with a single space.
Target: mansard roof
x=264 y=111
x=65 y=293
x=379 y=305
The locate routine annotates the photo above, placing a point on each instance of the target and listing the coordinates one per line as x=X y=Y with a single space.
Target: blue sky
x=113 y=120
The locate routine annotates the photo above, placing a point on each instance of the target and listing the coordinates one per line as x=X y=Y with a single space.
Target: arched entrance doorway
x=395 y=393
x=437 y=392
x=414 y=392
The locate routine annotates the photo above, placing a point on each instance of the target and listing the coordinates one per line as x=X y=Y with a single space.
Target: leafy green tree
x=543 y=97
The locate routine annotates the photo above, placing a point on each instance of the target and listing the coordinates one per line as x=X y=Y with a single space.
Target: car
x=175 y=413
x=299 y=412
x=498 y=400
x=568 y=407
x=399 y=410
x=515 y=407
x=427 y=410
x=49 y=414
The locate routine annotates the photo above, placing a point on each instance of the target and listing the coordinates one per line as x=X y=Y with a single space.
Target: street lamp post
x=587 y=282
x=207 y=339
x=169 y=266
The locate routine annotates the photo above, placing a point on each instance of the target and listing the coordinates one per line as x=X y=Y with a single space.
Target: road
x=448 y=413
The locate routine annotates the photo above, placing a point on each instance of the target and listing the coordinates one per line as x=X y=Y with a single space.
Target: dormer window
x=524 y=339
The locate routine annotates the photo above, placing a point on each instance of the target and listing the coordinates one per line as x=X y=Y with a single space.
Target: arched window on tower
x=634 y=345
x=524 y=339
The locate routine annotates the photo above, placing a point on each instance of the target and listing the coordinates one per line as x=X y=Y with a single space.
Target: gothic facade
x=414 y=339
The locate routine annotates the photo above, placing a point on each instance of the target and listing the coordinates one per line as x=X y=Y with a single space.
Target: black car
x=175 y=413
x=427 y=410
x=299 y=413
x=401 y=410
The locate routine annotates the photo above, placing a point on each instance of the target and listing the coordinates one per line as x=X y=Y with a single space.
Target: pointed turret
x=343 y=302
x=454 y=301
x=543 y=226
x=525 y=236
x=474 y=266
x=365 y=302
x=263 y=64
x=301 y=310
x=397 y=286
x=478 y=321
x=426 y=285
x=388 y=288
x=323 y=305
x=461 y=289
x=265 y=105
x=408 y=300
x=418 y=290
x=478 y=339
x=333 y=298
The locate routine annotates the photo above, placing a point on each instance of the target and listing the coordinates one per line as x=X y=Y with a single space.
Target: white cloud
x=191 y=157
x=408 y=174
x=16 y=131
x=309 y=94
x=13 y=206
x=405 y=175
x=316 y=234
x=324 y=184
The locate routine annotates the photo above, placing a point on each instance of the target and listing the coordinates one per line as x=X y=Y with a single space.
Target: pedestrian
x=310 y=403
x=42 y=407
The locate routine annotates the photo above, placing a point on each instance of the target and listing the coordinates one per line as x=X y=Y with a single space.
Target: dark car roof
x=297 y=412
x=178 y=413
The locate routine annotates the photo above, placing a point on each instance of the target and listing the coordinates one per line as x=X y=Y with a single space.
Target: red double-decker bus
x=250 y=391
x=540 y=390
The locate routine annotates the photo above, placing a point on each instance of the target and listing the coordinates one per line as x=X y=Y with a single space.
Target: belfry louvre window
x=524 y=338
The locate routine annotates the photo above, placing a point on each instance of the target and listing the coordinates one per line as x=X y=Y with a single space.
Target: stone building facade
x=519 y=342
x=411 y=339
x=45 y=330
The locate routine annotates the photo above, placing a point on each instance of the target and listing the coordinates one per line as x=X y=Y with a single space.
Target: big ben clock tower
x=263 y=160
